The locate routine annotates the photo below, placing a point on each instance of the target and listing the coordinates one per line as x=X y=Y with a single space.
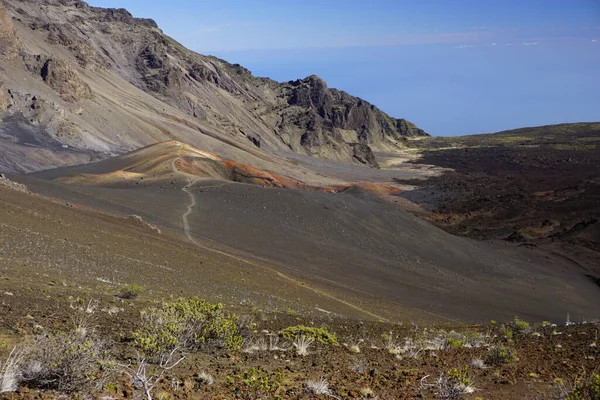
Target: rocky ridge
x=77 y=51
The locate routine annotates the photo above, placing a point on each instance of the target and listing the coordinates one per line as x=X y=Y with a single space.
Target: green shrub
x=455 y=343
x=519 y=326
x=589 y=390
x=508 y=334
x=321 y=335
x=256 y=384
x=130 y=291
x=188 y=324
x=460 y=376
x=501 y=355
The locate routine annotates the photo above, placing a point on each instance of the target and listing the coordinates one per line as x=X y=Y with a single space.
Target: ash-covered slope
x=103 y=82
x=351 y=244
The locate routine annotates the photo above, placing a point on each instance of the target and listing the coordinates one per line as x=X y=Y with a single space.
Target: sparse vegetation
x=587 y=390
x=355 y=348
x=501 y=354
x=272 y=342
x=320 y=335
x=130 y=291
x=302 y=344
x=255 y=383
x=454 y=343
x=318 y=387
x=10 y=371
x=460 y=376
x=519 y=326
x=65 y=361
x=478 y=363
x=188 y=324
x=205 y=378
x=144 y=378
x=77 y=361
x=450 y=385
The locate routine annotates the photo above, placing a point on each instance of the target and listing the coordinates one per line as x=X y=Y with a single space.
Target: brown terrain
x=534 y=186
x=137 y=172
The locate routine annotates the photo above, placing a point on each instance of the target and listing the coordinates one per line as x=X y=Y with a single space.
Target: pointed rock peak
x=314 y=80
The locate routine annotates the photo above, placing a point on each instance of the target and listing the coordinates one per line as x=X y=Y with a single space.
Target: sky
x=452 y=67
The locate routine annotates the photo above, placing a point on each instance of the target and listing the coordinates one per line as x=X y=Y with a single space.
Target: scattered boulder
x=516 y=237
x=5 y=182
x=255 y=140
x=140 y=221
x=364 y=154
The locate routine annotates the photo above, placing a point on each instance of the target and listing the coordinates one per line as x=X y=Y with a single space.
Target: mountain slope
x=349 y=243
x=102 y=82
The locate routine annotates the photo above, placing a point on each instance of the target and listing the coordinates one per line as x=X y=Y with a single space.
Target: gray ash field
x=358 y=247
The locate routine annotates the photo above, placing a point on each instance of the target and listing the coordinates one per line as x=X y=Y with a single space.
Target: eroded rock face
x=10 y=46
x=322 y=114
x=4 y=100
x=340 y=110
x=63 y=77
x=66 y=35
x=364 y=154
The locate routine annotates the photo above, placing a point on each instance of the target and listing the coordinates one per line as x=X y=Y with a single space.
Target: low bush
x=10 y=371
x=454 y=343
x=256 y=384
x=66 y=362
x=460 y=376
x=519 y=325
x=321 y=335
x=130 y=291
x=588 y=390
x=501 y=355
x=451 y=385
x=189 y=324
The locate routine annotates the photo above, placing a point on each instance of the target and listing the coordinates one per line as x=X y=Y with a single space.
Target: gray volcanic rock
x=62 y=77
x=75 y=49
x=331 y=116
x=9 y=43
x=4 y=99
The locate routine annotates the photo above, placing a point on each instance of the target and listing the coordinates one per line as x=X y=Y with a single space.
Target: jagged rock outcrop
x=330 y=116
x=4 y=99
x=71 y=46
x=62 y=77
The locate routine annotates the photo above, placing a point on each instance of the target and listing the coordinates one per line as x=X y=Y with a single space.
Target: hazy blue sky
x=451 y=66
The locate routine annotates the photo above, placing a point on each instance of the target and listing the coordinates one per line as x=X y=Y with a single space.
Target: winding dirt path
x=190 y=207
x=192 y=180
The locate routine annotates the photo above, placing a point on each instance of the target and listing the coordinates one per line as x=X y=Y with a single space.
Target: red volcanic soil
x=244 y=173
x=380 y=189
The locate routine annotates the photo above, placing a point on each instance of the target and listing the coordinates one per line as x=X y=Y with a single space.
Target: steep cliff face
x=77 y=51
